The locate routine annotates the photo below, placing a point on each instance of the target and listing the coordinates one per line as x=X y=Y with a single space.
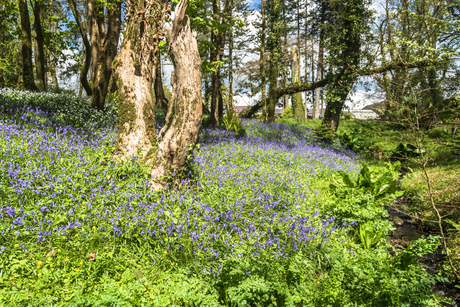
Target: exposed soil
x=407 y=230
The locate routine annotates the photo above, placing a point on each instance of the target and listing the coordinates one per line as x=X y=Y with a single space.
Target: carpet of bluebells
x=244 y=224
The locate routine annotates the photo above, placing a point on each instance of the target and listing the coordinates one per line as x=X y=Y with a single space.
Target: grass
x=253 y=222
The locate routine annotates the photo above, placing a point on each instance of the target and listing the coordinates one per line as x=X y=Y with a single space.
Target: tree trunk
x=296 y=99
x=96 y=35
x=319 y=76
x=54 y=78
x=215 y=76
x=26 y=77
x=230 y=65
x=135 y=72
x=86 y=48
x=175 y=143
x=274 y=47
x=262 y=62
x=353 y=13
x=106 y=55
x=40 y=63
x=160 y=99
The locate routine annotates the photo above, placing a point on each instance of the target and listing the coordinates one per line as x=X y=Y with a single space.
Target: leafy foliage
x=373 y=181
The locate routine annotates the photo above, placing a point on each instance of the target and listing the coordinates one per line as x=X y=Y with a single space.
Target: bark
x=175 y=144
x=96 y=35
x=262 y=62
x=135 y=72
x=40 y=63
x=26 y=77
x=216 y=40
x=319 y=67
x=297 y=105
x=160 y=99
x=86 y=48
x=319 y=74
x=54 y=77
x=106 y=55
x=274 y=47
x=230 y=65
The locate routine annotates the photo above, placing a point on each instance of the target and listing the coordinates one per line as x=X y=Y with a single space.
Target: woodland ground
x=275 y=217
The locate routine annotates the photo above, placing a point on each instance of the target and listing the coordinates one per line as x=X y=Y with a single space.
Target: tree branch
x=289 y=90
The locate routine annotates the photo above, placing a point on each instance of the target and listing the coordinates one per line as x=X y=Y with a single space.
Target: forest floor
x=275 y=217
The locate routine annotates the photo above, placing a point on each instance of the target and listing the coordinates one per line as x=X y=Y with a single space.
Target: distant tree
x=102 y=25
x=9 y=41
x=348 y=25
x=26 y=75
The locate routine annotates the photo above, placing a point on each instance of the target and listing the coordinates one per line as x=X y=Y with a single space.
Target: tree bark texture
x=174 y=146
x=274 y=48
x=106 y=55
x=298 y=107
x=135 y=70
x=319 y=74
x=353 y=14
x=26 y=77
x=262 y=62
x=40 y=62
x=96 y=31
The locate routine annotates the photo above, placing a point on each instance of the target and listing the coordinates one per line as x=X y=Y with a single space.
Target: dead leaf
x=51 y=253
x=92 y=257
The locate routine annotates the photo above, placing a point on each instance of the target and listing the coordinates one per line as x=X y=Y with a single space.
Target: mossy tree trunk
x=262 y=62
x=298 y=107
x=40 y=62
x=135 y=71
x=26 y=75
x=106 y=54
x=275 y=27
x=347 y=56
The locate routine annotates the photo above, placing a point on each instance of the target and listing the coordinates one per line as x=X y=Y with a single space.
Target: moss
x=149 y=119
x=127 y=109
x=150 y=158
x=116 y=64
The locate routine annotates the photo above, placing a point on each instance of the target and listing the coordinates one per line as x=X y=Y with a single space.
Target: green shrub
x=372 y=279
x=287 y=113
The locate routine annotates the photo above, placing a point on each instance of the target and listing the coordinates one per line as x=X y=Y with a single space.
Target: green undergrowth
x=379 y=142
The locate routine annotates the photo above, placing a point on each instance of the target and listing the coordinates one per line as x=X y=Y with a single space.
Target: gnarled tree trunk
x=135 y=71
